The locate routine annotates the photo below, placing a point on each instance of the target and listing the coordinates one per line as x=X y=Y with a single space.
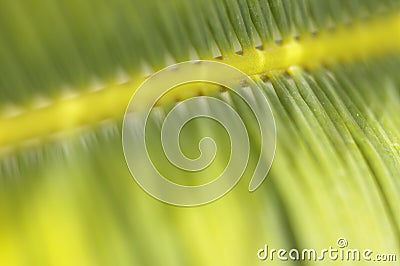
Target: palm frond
x=68 y=68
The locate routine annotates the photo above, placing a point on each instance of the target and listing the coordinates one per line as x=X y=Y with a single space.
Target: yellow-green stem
x=356 y=41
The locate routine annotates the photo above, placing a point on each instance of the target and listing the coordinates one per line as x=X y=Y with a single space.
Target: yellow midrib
x=366 y=39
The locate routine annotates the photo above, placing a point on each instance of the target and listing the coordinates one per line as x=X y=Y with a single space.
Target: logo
x=158 y=142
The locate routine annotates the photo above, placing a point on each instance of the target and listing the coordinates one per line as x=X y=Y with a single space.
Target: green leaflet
x=54 y=45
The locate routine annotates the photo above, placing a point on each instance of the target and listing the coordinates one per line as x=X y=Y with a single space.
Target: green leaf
x=329 y=70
